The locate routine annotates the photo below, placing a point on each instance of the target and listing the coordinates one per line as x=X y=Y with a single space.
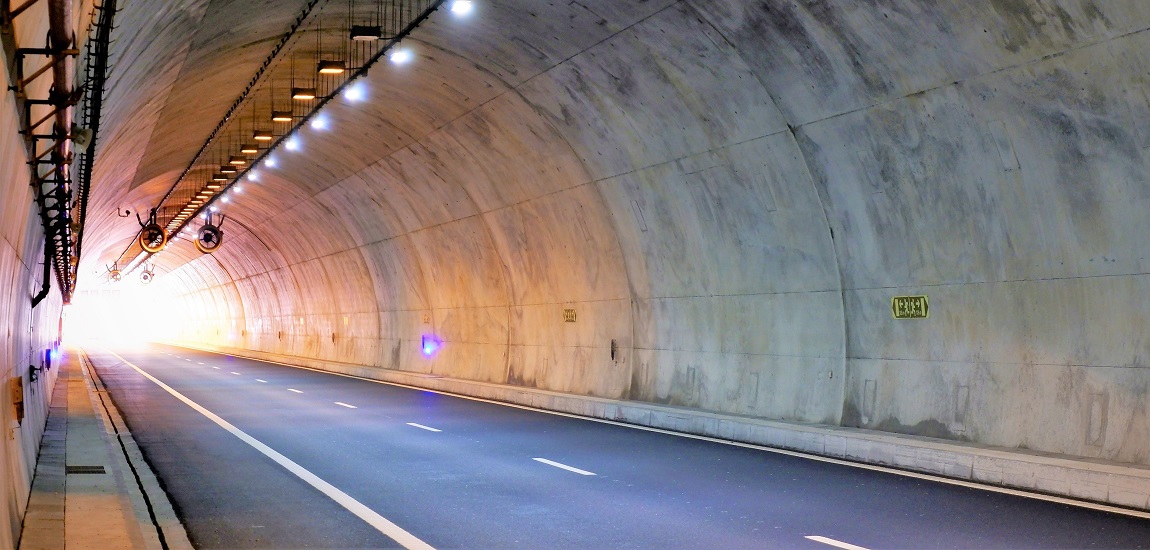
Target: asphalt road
x=459 y=473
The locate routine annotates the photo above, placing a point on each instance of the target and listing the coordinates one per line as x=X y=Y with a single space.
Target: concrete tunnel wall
x=733 y=191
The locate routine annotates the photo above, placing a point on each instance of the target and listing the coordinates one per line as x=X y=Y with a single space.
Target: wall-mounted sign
x=568 y=315
x=910 y=307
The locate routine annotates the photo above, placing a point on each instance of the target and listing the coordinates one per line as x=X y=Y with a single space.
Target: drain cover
x=84 y=470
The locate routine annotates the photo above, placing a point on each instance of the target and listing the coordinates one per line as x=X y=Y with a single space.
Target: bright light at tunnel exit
x=121 y=318
x=431 y=344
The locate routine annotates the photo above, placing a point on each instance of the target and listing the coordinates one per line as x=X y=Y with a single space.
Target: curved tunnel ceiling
x=730 y=191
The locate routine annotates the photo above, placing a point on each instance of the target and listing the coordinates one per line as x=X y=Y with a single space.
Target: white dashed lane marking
x=217 y=368
x=835 y=543
x=422 y=427
x=294 y=390
x=342 y=404
x=261 y=381
x=564 y=466
x=235 y=373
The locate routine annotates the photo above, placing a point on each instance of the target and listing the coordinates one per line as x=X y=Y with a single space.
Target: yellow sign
x=910 y=307
x=569 y=315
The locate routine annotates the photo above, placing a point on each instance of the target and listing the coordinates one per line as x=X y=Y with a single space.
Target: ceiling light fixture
x=329 y=66
x=399 y=57
x=237 y=160
x=281 y=116
x=219 y=177
x=354 y=92
x=249 y=149
x=262 y=135
x=366 y=33
x=228 y=169
x=303 y=94
x=461 y=7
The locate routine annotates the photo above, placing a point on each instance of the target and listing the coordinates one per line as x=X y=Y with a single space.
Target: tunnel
x=893 y=233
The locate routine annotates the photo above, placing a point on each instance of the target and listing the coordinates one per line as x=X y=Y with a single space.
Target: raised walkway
x=92 y=488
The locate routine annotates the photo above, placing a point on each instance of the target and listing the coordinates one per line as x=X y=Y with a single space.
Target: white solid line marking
x=817 y=458
x=235 y=373
x=342 y=404
x=198 y=363
x=564 y=466
x=294 y=390
x=264 y=381
x=188 y=360
x=835 y=543
x=422 y=427
x=397 y=533
x=217 y=368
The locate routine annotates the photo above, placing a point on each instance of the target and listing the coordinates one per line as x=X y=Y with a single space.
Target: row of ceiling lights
x=352 y=93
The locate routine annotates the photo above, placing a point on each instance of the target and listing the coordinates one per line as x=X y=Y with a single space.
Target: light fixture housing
x=249 y=149
x=227 y=169
x=262 y=135
x=237 y=160
x=281 y=116
x=331 y=66
x=303 y=94
x=366 y=33
x=219 y=177
x=212 y=186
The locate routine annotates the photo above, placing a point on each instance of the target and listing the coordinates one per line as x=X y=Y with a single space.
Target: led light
x=204 y=216
x=212 y=186
x=262 y=135
x=237 y=161
x=292 y=144
x=329 y=66
x=252 y=176
x=303 y=94
x=319 y=122
x=228 y=169
x=219 y=177
x=365 y=33
x=238 y=189
x=214 y=209
x=355 y=92
x=270 y=162
x=281 y=116
x=224 y=198
x=430 y=344
x=249 y=149
x=399 y=57
x=461 y=7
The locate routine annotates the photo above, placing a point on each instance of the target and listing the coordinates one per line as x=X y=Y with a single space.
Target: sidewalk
x=92 y=488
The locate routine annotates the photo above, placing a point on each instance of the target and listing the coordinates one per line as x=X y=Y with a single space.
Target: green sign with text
x=910 y=307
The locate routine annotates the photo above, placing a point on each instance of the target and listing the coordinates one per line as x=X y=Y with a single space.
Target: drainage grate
x=84 y=470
